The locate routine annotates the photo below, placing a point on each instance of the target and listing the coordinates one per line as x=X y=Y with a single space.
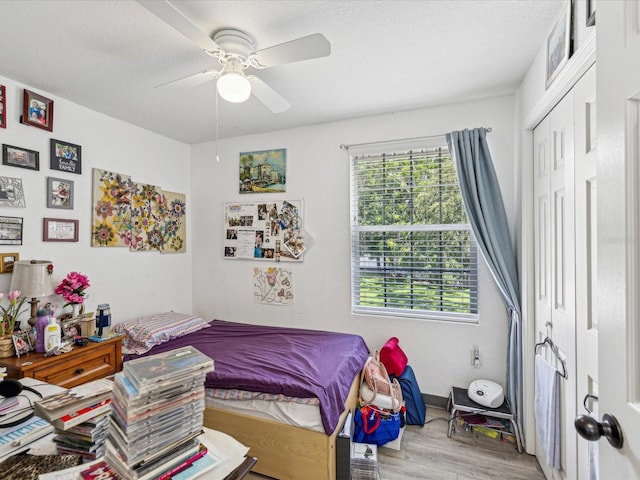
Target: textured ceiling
x=386 y=56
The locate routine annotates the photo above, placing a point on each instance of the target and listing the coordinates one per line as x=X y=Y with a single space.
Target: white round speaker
x=486 y=393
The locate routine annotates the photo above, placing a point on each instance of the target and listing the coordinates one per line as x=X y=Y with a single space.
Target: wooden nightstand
x=82 y=364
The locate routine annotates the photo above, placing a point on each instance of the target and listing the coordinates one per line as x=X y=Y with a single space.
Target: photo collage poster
x=264 y=230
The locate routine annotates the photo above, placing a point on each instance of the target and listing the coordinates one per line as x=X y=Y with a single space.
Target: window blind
x=412 y=250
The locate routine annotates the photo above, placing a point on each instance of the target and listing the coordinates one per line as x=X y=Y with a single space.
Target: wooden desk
x=80 y=365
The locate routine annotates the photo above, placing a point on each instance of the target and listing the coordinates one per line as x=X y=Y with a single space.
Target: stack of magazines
x=157 y=414
x=87 y=439
x=80 y=417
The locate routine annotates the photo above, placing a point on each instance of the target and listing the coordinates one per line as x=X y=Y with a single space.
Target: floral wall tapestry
x=140 y=216
x=273 y=286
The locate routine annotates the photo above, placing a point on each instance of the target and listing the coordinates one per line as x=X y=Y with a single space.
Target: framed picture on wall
x=20 y=157
x=11 y=192
x=3 y=107
x=37 y=110
x=591 y=13
x=66 y=157
x=59 y=230
x=10 y=231
x=559 y=44
x=60 y=193
x=7 y=260
x=263 y=171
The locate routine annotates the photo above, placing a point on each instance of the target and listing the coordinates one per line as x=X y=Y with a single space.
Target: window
x=412 y=250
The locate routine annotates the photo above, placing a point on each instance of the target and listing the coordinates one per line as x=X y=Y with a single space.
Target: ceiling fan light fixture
x=234 y=87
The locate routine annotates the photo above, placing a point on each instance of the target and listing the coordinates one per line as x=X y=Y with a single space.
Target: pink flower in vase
x=73 y=288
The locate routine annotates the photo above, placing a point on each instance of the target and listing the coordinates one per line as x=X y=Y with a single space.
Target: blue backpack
x=416 y=408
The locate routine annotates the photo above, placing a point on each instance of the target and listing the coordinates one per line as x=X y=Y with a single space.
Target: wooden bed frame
x=283 y=451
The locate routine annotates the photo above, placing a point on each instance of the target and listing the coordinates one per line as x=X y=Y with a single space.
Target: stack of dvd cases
x=364 y=462
x=157 y=413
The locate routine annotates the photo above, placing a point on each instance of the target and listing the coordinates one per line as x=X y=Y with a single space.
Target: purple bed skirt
x=279 y=360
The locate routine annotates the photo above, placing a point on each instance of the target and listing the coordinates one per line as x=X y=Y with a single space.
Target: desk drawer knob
x=79 y=370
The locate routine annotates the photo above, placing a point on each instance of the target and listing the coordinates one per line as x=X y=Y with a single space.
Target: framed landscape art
x=263 y=171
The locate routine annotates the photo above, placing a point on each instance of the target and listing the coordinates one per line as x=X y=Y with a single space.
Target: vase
x=76 y=309
x=6 y=346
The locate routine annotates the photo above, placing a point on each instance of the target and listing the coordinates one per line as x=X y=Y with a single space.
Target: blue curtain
x=485 y=209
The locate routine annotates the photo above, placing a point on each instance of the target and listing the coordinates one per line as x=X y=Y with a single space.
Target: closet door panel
x=555 y=263
x=586 y=187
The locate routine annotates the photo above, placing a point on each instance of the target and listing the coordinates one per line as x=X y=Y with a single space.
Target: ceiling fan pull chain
x=217 y=130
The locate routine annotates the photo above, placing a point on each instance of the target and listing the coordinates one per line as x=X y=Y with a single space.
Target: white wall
x=132 y=283
x=318 y=173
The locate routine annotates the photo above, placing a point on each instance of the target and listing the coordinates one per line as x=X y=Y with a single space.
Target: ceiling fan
x=235 y=50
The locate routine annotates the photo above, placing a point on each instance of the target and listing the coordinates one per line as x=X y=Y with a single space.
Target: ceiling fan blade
x=170 y=15
x=304 y=48
x=192 y=80
x=268 y=95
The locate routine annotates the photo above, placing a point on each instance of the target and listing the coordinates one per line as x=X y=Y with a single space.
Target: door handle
x=590 y=429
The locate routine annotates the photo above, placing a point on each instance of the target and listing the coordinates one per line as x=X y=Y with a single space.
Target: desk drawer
x=94 y=364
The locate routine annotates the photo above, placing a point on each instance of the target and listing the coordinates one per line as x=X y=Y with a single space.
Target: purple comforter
x=289 y=361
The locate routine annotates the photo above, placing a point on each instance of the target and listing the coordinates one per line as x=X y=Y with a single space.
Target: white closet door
x=586 y=252
x=555 y=263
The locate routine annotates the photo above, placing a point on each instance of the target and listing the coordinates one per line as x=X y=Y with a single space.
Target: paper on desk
x=230 y=452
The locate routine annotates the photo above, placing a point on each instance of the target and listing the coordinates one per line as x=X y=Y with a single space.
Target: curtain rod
x=384 y=142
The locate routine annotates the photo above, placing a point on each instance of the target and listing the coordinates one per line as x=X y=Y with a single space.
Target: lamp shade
x=32 y=278
x=234 y=87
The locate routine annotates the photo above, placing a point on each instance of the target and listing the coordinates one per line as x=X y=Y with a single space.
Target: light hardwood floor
x=427 y=453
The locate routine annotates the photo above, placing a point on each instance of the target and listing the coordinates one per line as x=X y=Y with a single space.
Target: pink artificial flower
x=72 y=288
x=13 y=296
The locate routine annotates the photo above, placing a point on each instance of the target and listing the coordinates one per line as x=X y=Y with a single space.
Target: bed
x=317 y=370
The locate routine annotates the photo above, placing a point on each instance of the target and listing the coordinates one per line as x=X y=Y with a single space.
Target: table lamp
x=33 y=279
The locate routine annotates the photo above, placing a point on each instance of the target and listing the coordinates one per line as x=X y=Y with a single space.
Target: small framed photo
x=559 y=44
x=20 y=157
x=22 y=343
x=60 y=193
x=37 y=110
x=591 y=13
x=3 y=107
x=59 y=230
x=11 y=231
x=11 y=192
x=7 y=260
x=71 y=328
x=66 y=157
